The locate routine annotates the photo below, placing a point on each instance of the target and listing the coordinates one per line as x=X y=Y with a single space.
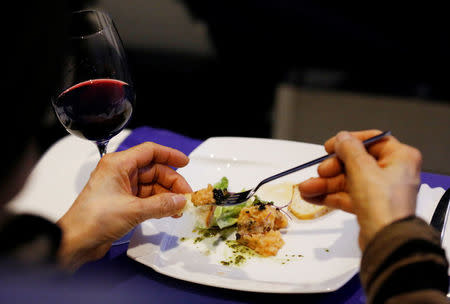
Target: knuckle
x=416 y=155
x=148 y=145
x=411 y=158
x=167 y=207
x=162 y=210
x=416 y=158
x=143 y=147
x=162 y=207
x=411 y=154
x=345 y=146
x=361 y=158
x=341 y=183
x=375 y=131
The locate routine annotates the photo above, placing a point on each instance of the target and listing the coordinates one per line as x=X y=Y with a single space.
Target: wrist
x=75 y=248
x=369 y=228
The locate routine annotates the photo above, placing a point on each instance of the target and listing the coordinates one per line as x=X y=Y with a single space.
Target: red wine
x=95 y=109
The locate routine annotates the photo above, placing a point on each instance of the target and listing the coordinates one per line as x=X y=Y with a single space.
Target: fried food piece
x=258 y=228
x=203 y=200
x=203 y=196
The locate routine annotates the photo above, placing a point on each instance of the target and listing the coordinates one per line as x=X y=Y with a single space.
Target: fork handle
x=318 y=160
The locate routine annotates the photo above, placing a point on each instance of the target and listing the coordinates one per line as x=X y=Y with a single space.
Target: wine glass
x=95 y=99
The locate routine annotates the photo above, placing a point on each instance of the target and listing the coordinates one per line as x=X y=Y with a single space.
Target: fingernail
x=306 y=182
x=179 y=199
x=326 y=162
x=304 y=186
x=343 y=135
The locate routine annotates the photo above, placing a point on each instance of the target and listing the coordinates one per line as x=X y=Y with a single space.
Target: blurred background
x=296 y=70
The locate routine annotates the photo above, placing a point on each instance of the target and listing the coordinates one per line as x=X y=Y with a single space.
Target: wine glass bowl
x=95 y=99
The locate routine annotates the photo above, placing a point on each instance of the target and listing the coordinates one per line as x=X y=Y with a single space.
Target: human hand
x=378 y=185
x=125 y=189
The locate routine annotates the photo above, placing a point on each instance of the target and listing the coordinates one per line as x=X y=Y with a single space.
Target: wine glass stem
x=101 y=145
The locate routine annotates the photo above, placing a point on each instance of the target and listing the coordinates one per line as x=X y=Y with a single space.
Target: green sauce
x=215 y=232
x=240 y=254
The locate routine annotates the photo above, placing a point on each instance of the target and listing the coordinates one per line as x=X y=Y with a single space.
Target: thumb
x=162 y=205
x=353 y=154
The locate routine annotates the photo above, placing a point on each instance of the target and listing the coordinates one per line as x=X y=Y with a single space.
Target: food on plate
x=258 y=227
x=304 y=210
x=288 y=194
x=203 y=196
x=258 y=222
x=211 y=194
x=208 y=215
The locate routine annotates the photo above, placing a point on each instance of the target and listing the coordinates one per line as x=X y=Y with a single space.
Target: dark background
x=373 y=47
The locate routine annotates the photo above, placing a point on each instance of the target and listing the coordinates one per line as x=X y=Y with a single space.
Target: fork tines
x=235 y=198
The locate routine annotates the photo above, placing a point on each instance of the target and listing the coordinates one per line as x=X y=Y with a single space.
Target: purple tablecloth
x=119 y=279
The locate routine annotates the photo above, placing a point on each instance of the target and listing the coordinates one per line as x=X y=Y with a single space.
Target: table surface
x=118 y=279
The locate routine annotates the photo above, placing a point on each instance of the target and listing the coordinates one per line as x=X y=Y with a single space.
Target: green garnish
x=222 y=184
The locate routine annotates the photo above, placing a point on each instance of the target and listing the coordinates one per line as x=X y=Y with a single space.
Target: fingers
x=333 y=166
x=353 y=154
x=330 y=188
x=395 y=153
x=321 y=186
x=327 y=191
x=160 y=205
x=340 y=200
x=142 y=155
x=330 y=167
x=361 y=135
x=387 y=151
x=163 y=177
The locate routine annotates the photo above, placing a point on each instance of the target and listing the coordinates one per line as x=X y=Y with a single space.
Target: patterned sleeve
x=405 y=263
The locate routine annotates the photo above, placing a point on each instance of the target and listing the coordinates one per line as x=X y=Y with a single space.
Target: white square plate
x=327 y=245
x=319 y=255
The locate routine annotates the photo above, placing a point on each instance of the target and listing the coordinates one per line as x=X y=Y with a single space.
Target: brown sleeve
x=405 y=263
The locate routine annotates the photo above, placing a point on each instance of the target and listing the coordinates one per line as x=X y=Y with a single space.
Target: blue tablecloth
x=142 y=283
x=119 y=279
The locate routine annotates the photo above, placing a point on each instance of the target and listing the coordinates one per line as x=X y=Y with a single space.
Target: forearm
x=405 y=263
